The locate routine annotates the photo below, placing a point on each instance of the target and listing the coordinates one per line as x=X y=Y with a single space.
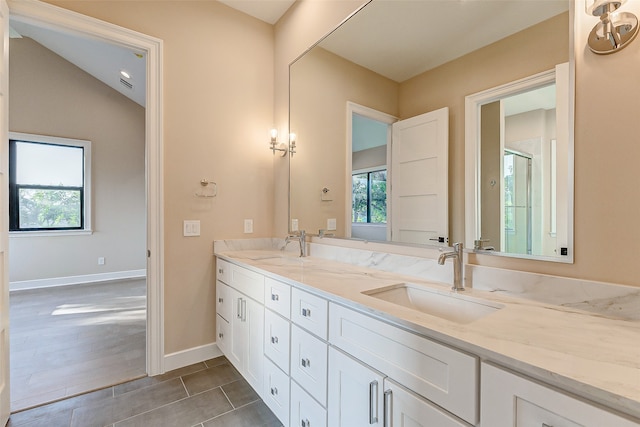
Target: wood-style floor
x=73 y=339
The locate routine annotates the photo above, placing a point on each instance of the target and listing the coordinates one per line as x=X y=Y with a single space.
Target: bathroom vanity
x=330 y=344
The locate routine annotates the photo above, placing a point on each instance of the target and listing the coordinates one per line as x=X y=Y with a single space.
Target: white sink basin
x=448 y=305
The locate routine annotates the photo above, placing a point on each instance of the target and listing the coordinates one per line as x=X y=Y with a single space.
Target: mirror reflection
x=377 y=81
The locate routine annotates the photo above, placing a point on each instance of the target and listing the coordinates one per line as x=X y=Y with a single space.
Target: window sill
x=52 y=233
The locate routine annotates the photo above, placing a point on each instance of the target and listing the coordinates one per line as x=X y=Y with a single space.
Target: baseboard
x=76 y=280
x=190 y=356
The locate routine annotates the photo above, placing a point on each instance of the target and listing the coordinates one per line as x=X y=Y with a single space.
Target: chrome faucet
x=456 y=254
x=301 y=237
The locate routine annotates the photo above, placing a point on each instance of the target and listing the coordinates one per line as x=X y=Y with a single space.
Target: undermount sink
x=445 y=304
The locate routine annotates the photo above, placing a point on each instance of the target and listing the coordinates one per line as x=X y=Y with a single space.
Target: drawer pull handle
x=244 y=310
x=546 y=425
x=239 y=308
x=388 y=408
x=220 y=271
x=306 y=312
x=305 y=423
x=373 y=402
x=275 y=297
x=306 y=363
x=220 y=335
x=274 y=391
x=274 y=340
x=220 y=300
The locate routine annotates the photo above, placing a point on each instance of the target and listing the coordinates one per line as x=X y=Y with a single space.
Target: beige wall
x=50 y=96
x=490 y=172
x=321 y=85
x=218 y=109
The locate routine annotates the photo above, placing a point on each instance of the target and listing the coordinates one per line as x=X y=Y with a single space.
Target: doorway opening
x=151 y=282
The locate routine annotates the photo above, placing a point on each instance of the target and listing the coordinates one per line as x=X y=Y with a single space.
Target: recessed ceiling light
x=125 y=74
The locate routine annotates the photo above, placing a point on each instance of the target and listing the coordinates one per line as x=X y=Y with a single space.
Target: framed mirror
x=393 y=62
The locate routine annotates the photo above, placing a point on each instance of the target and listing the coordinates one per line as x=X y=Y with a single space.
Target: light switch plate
x=331 y=224
x=248 y=226
x=191 y=228
x=294 y=225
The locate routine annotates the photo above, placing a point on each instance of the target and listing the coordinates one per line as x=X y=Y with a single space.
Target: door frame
x=353 y=108
x=49 y=16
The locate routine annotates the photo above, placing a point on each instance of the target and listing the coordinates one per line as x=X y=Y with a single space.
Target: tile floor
x=207 y=394
x=73 y=339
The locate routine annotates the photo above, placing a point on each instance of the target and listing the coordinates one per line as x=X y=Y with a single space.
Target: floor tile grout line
x=229 y=400
x=185 y=387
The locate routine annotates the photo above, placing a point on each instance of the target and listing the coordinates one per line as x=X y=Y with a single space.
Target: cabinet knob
x=220 y=271
x=220 y=300
x=305 y=423
x=275 y=297
x=306 y=363
x=274 y=340
x=220 y=335
x=306 y=312
x=274 y=391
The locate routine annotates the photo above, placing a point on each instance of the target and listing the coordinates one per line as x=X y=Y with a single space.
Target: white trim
x=76 y=280
x=49 y=16
x=353 y=108
x=190 y=356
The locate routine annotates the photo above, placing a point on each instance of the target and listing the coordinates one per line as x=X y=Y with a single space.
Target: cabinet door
x=309 y=363
x=246 y=350
x=223 y=334
x=276 y=339
x=223 y=301
x=305 y=411
x=254 y=351
x=509 y=400
x=404 y=408
x=356 y=397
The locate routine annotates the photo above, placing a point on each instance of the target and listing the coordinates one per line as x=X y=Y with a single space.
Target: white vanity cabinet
x=510 y=400
x=240 y=319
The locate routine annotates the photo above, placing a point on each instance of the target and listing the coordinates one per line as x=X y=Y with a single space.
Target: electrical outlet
x=101 y=260
x=331 y=224
x=248 y=226
x=191 y=228
x=294 y=225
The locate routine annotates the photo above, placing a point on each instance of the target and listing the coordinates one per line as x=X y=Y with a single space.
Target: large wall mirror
x=378 y=109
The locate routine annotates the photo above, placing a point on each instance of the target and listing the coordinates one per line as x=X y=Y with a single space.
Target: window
x=48 y=183
x=369 y=198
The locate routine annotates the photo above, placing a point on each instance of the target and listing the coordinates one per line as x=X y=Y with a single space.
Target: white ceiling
x=266 y=10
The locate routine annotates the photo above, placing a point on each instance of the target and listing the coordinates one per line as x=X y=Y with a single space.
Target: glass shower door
x=517 y=203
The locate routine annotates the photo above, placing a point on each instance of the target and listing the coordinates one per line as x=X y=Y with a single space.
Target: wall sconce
x=274 y=145
x=615 y=29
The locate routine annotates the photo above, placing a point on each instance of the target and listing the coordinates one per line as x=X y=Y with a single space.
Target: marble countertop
x=582 y=352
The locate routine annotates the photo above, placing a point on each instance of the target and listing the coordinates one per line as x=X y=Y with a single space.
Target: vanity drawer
x=309 y=363
x=305 y=411
x=223 y=300
x=276 y=339
x=223 y=271
x=310 y=312
x=277 y=297
x=223 y=334
x=248 y=282
x=276 y=391
x=443 y=375
x=510 y=400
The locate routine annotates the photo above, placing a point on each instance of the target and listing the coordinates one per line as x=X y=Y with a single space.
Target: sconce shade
x=600 y=7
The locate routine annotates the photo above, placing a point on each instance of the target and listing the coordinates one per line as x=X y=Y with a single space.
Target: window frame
x=86 y=199
x=369 y=171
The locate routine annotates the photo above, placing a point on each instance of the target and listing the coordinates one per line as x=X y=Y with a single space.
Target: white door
x=404 y=408
x=4 y=209
x=419 y=179
x=356 y=393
